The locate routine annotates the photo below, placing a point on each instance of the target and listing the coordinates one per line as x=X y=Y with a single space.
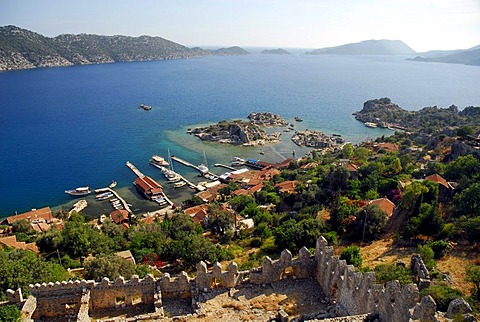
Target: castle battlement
x=352 y=292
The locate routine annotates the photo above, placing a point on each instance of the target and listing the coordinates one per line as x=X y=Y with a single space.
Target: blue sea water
x=72 y=126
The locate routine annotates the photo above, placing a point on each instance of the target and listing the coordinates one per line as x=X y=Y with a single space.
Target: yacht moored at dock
x=179 y=184
x=113 y=184
x=158 y=161
x=80 y=191
x=370 y=124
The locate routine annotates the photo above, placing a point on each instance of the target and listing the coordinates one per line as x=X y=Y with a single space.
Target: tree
x=473 y=275
x=352 y=255
x=240 y=202
x=370 y=221
x=111 y=266
x=219 y=220
x=347 y=151
x=19 y=268
x=467 y=202
x=22 y=226
x=465 y=131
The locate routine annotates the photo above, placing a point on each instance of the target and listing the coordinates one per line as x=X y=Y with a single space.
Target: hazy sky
x=422 y=24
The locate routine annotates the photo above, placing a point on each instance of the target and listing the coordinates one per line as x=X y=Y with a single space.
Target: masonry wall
x=353 y=292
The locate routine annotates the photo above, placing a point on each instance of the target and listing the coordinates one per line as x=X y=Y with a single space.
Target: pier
x=123 y=202
x=208 y=175
x=135 y=170
x=186 y=163
x=225 y=166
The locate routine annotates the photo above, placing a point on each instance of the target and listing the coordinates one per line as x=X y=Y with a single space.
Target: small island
x=278 y=51
x=316 y=139
x=247 y=133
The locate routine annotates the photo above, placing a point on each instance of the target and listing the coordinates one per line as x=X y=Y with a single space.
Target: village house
x=11 y=241
x=444 y=188
x=119 y=216
x=385 y=204
x=286 y=186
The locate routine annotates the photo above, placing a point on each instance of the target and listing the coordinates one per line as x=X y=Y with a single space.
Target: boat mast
x=170 y=163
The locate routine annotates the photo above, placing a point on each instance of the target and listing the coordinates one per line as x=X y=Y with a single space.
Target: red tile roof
x=119 y=216
x=286 y=186
x=389 y=147
x=149 y=186
x=385 y=204
x=351 y=167
x=42 y=214
x=11 y=241
x=438 y=179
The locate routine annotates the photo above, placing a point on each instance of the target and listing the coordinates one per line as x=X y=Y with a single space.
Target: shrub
x=427 y=254
x=352 y=255
x=442 y=294
x=385 y=273
x=9 y=313
x=331 y=237
x=439 y=247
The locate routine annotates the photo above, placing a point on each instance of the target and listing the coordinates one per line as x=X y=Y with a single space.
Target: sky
x=421 y=24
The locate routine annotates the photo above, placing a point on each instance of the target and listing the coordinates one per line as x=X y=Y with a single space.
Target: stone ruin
x=352 y=293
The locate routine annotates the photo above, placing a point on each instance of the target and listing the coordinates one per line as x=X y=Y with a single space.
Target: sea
x=65 y=127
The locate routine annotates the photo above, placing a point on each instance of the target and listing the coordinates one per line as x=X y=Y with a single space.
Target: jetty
x=135 y=170
x=185 y=163
x=122 y=201
x=208 y=175
x=225 y=166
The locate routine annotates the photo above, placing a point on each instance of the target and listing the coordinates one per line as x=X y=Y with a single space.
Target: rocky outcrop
x=267 y=119
x=22 y=49
x=315 y=139
x=278 y=51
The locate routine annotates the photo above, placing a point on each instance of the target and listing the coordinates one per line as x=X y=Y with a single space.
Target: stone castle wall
x=353 y=293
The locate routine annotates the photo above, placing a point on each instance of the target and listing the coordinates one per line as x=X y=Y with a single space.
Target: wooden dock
x=135 y=170
x=124 y=203
x=225 y=166
x=185 y=163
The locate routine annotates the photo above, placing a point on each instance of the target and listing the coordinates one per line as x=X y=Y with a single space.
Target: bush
x=10 y=313
x=427 y=254
x=331 y=237
x=442 y=294
x=352 y=255
x=439 y=247
x=385 y=273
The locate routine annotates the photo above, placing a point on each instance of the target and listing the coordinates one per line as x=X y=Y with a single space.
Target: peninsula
x=239 y=132
x=24 y=49
x=315 y=139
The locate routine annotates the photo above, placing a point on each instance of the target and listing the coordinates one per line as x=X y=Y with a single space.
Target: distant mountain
x=367 y=47
x=21 y=48
x=278 y=51
x=467 y=57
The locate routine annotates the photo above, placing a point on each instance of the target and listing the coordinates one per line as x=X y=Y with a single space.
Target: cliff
x=21 y=49
x=382 y=111
x=367 y=47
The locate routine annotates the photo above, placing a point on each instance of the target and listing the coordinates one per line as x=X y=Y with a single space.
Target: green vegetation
x=352 y=255
x=10 y=313
x=442 y=294
x=385 y=273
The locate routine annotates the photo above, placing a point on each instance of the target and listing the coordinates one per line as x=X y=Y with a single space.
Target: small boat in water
x=298 y=119
x=113 y=184
x=104 y=196
x=145 y=107
x=370 y=124
x=80 y=191
x=179 y=184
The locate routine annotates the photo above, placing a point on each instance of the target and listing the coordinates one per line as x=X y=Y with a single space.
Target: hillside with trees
x=418 y=190
x=21 y=49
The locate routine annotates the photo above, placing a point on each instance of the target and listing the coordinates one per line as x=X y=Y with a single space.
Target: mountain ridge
x=469 y=56
x=22 y=49
x=367 y=47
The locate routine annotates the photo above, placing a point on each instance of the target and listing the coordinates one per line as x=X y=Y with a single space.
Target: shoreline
x=195 y=149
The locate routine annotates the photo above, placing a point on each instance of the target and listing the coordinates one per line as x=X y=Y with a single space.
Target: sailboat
x=171 y=175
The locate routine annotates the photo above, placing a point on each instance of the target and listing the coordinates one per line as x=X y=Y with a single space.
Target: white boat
x=157 y=160
x=179 y=184
x=370 y=124
x=113 y=184
x=104 y=196
x=80 y=191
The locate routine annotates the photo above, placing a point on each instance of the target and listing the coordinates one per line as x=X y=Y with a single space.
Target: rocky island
x=278 y=51
x=315 y=139
x=239 y=132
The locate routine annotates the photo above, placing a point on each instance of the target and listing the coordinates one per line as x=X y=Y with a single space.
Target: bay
x=61 y=128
